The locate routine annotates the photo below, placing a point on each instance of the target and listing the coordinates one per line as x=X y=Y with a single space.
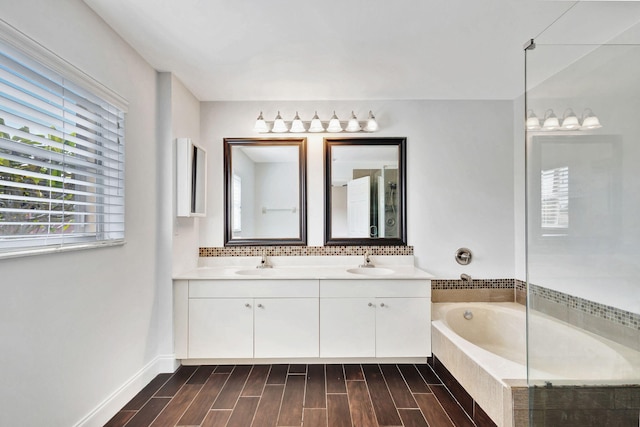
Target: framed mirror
x=365 y=191
x=265 y=199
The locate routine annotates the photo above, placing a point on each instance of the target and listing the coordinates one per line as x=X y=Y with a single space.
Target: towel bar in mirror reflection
x=265 y=198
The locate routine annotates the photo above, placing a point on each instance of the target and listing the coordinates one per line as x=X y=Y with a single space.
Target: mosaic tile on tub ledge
x=241 y=251
x=613 y=314
x=448 y=284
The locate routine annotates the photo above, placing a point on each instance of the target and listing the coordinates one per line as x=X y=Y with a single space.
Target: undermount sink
x=256 y=272
x=370 y=271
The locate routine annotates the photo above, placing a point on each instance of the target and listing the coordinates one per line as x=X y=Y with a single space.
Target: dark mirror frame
x=229 y=143
x=401 y=240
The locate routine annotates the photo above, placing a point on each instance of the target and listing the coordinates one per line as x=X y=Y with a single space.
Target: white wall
x=460 y=174
x=183 y=122
x=77 y=326
x=282 y=177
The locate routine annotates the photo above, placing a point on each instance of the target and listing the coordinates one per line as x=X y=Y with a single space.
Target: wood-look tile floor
x=295 y=395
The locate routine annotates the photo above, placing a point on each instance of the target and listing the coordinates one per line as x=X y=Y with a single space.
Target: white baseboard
x=112 y=404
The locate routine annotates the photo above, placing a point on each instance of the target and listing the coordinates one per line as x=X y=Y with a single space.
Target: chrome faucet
x=264 y=261
x=367 y=261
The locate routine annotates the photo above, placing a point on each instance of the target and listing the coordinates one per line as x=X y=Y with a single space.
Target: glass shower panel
x=583 y=233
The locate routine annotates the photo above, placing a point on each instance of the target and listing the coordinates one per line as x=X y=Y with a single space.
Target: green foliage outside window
x=32 y=207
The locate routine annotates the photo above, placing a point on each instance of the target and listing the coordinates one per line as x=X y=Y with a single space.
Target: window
x=61 y=160
x=554 y=192
x=237 y=203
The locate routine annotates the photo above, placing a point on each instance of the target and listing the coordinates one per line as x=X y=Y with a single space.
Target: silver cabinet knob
x=247 y=305
x=381 y=304
x=260 y=306
x=370 y=305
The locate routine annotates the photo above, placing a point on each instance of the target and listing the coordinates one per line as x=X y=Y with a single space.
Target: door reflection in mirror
x=365 y=190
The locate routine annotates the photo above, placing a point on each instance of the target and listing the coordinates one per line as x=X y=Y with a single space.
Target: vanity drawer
x=253 y=288
x=375 y=288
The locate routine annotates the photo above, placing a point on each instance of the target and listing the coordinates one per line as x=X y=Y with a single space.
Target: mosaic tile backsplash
x=473 y=284
x=304 y=250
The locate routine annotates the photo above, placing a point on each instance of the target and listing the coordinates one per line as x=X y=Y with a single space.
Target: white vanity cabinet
x=325 y=320
x=238 y=319
x=375 y=318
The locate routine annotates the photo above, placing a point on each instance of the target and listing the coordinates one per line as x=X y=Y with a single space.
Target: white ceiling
x=242 y=50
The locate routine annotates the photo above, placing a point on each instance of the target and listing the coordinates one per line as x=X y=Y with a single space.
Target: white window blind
x=555 y=198
x=61 y=159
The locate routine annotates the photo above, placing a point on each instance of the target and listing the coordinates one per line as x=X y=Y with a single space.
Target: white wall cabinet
x=293 y=319
x=191 y=179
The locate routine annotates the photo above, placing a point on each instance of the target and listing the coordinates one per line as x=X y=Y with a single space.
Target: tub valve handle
x=463 y=256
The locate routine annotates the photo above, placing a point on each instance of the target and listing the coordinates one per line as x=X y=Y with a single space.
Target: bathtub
x=486 y=352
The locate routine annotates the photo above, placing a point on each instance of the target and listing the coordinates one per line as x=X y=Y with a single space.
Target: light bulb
x=297 y=125
x=353 y=125
x=590 y=120
x=316 y=124
x=372 y=124
x=551 y=121
x=334 y=124
x=569 y=120
x=279 y=126
x=533 y=122
x=261 y=126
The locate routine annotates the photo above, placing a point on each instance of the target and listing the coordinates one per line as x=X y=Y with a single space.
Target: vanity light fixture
x=570 y=121
x=334 y=124
x=297 y=125
x=261 y=126
x=533 y=122
x=279 y=126
x=316 y=124
x=590 y=120
x=353 y=125
x=372 y=124
x=551 y=121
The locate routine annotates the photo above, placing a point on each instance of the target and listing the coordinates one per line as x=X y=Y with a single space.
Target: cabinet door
x=286 y=327
x=403 y=327
x=220 y=328
x=347 y=327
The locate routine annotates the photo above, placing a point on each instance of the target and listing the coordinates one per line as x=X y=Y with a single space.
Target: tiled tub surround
x=617 y=325
x=487 y=290
x=486 y=355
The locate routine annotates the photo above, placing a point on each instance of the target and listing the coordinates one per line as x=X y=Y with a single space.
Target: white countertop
x=307 y=267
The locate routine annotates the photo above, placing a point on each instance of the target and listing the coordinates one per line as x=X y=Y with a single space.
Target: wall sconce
x=297 y=125
x=569 y=121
